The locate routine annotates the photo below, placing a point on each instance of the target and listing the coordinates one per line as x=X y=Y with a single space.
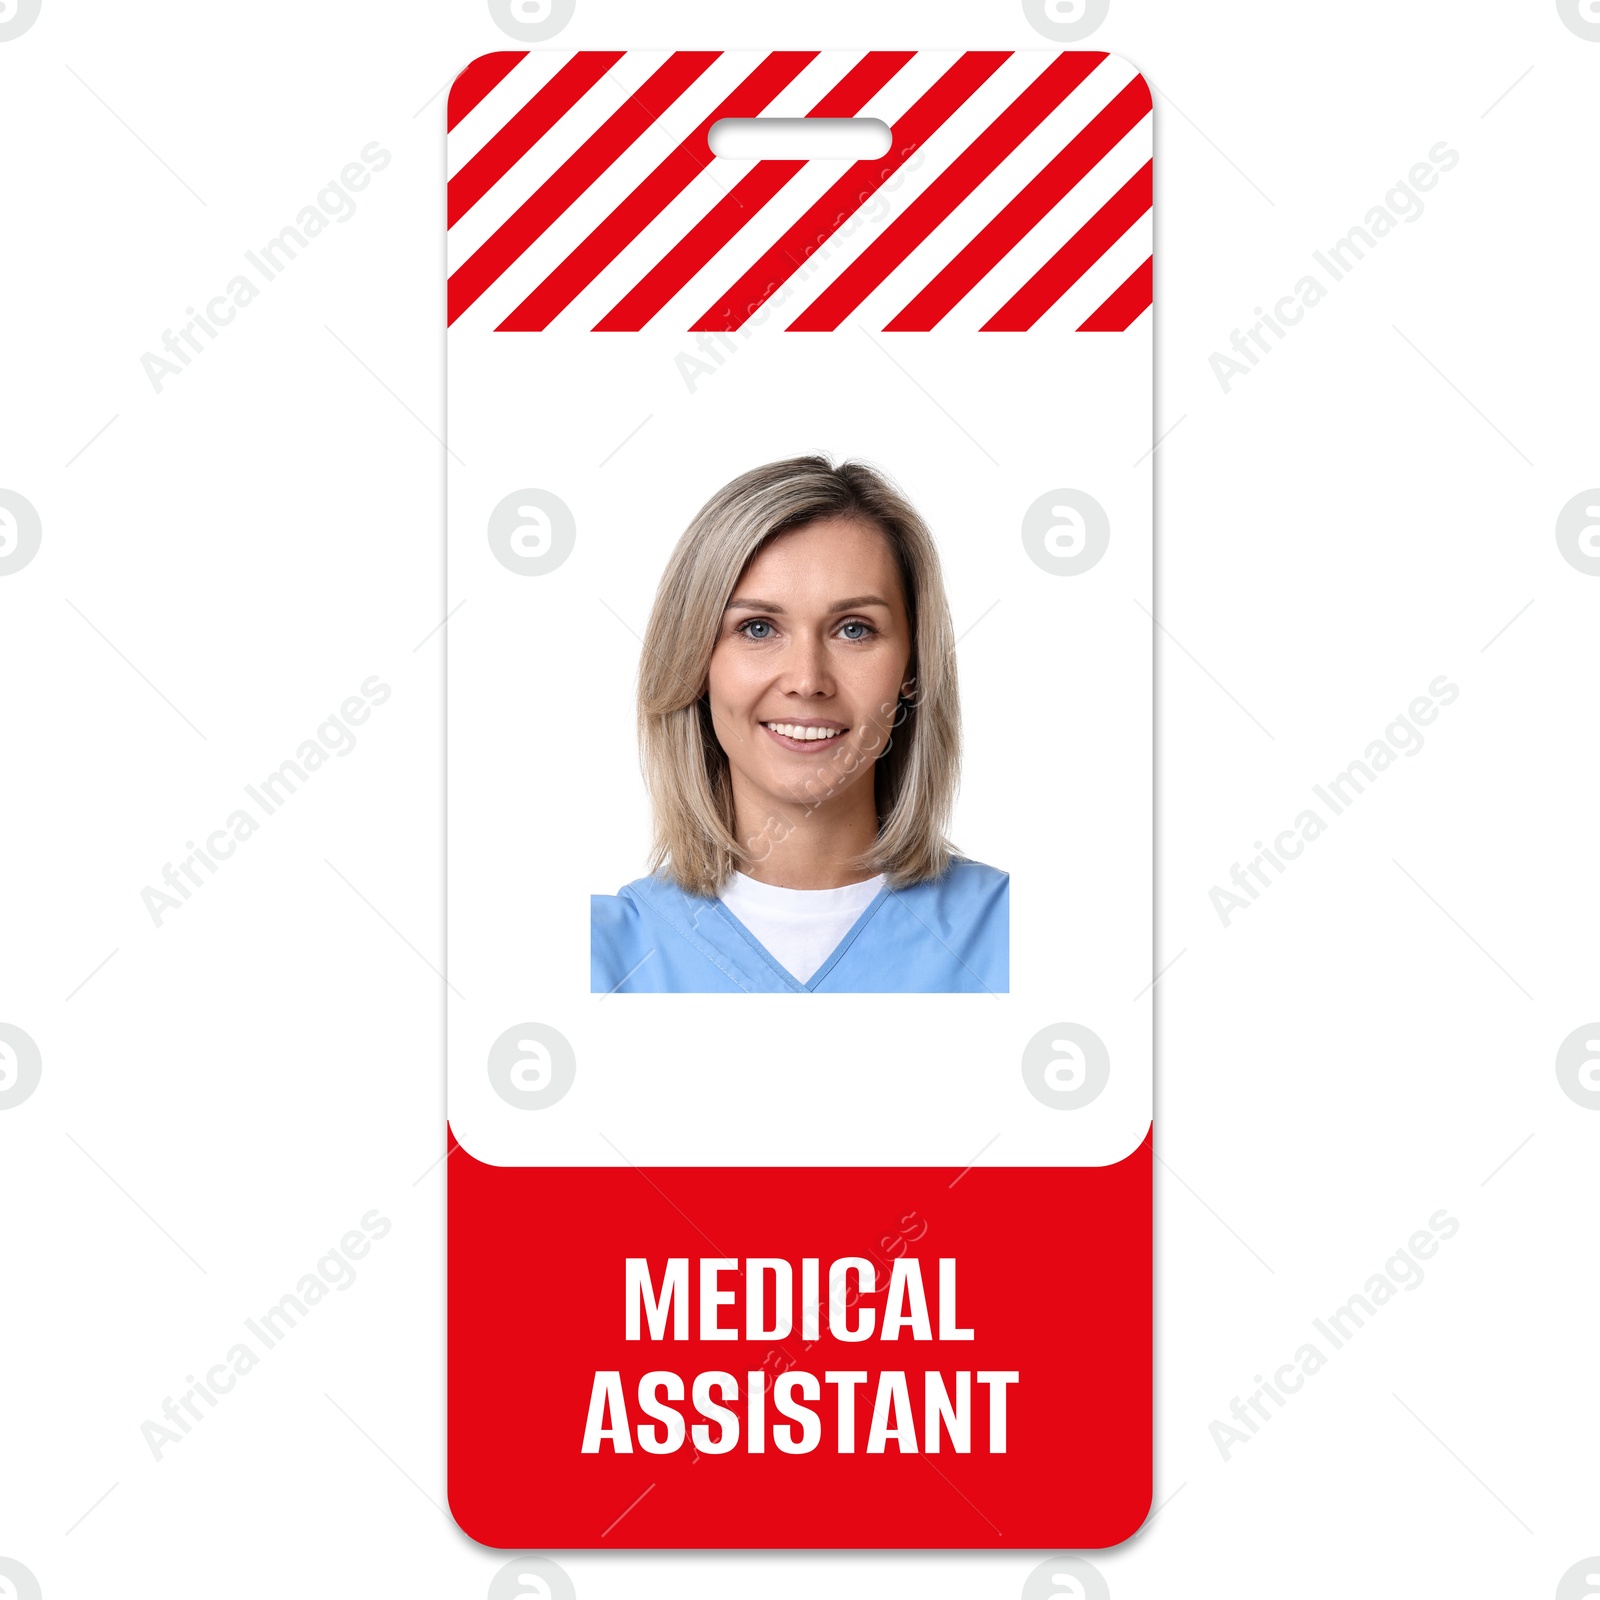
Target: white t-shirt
x=800 y=928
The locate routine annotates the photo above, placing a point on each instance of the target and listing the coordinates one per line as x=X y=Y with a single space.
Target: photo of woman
x=799 y=732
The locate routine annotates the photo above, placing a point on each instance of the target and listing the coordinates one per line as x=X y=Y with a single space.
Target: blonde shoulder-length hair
x=685 y=769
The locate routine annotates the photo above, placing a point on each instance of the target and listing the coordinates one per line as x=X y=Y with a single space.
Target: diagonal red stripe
x=1076 y=256
x=845 y=197
x=1027 y=208
x=1065 y=72
x=652 y=197
x=541 y=208
x=475 y=80
x=1127 y=305
x=743 y=201
x=525 y=130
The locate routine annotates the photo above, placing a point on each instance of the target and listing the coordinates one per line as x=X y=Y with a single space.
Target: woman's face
x=809 y=663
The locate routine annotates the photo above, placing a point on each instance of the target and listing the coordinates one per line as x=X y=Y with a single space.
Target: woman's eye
x=856 y=630
x=756 y=629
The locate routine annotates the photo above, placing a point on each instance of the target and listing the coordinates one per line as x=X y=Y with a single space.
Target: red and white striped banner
x=1016 y=193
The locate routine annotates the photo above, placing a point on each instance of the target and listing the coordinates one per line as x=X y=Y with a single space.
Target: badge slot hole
x=799 y=138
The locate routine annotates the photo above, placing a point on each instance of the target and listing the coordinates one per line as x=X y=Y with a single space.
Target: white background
x=546 y=805
x=1373 y=1040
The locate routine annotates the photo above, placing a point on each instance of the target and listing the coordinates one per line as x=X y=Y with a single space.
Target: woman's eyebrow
x=740 y=603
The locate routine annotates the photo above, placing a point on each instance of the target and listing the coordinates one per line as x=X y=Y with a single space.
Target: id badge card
x=800 y=1007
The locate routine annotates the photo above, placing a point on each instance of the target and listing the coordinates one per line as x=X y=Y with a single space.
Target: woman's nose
x=806 y=669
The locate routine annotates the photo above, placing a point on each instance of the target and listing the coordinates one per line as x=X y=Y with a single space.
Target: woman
x=800 y=736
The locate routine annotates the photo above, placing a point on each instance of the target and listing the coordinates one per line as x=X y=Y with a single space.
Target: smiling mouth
x=797 y=735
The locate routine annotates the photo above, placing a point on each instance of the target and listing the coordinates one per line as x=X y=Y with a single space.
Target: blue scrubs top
x=948 y=936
